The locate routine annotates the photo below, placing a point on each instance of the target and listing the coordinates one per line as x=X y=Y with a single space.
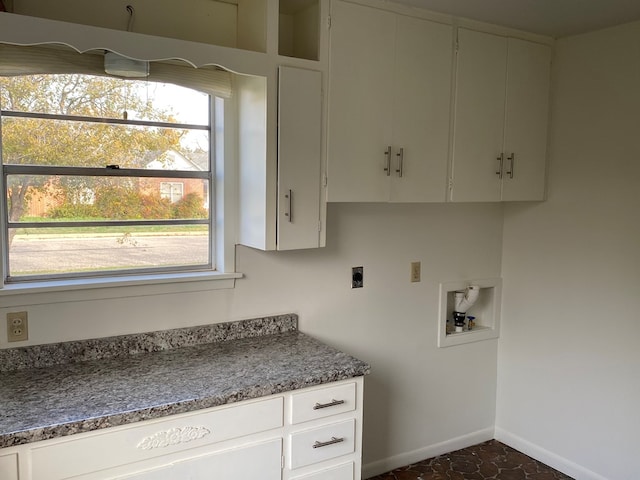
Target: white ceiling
x=557 y=18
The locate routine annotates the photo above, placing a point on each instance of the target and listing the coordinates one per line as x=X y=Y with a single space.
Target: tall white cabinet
x=501 y=117
x=299 y=158
x=389 y=106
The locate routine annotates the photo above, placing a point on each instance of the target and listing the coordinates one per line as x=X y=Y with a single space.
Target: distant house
x=176 y=189
x=44 y=200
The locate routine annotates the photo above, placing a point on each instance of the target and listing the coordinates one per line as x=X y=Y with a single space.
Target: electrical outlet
x=415 y=271
x=357 y=277
x=17 y=327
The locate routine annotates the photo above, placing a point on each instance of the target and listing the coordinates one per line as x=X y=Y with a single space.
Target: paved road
x=59 y=254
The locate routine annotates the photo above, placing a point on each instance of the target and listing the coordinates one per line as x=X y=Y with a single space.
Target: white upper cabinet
x=526 y=120
x=389 y=104
x=299 y=158
x=360 y=102
x=479 y=116
x=422 y=99
x=501 y=117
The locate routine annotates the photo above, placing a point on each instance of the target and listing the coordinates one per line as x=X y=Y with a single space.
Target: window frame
x=221 y=223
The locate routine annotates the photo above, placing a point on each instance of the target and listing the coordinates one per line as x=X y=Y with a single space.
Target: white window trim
x=114 y=286
x=59 y=291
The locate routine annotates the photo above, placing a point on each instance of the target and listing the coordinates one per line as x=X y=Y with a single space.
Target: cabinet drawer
x=108 y=448
x=323 y=402
x=341 y=472
x=324 y=443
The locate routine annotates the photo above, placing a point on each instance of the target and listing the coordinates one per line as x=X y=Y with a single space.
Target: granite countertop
x=108 y=382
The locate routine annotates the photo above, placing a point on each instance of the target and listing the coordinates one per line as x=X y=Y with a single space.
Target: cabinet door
x=299 y=157
x=479 y=116
x=527 y=112
x=9 y=466
x=261 y=461
x=421 y=110
x=360 y=102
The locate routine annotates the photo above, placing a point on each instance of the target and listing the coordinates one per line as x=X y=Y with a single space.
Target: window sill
x=115 y=287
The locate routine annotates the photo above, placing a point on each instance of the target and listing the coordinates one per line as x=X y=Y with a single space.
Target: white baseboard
x=387 y=464
x=545 y=456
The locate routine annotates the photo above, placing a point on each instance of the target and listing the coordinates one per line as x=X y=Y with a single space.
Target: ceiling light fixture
x=115 y=64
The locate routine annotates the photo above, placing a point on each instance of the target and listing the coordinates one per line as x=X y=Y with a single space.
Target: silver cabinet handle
x=500 y=165
x=289 y=213
x=332 y=403
x=400 y=156
x=333 y=441
x=387 y=163
x=512 y=159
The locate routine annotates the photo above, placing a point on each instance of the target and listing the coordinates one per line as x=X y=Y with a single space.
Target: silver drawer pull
x=332 y=403
x=333 y=441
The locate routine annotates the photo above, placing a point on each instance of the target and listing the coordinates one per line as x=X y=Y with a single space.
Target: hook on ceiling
x=132 y=14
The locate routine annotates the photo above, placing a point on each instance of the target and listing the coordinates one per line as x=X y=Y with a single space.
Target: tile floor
x=488 y=460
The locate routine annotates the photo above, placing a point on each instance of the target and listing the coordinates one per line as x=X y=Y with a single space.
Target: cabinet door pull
x=333 y=441
x=289 y=213
x=332 y=403
x=387 y=162
x=400 y=156
x=500 y=165
x=512 y=159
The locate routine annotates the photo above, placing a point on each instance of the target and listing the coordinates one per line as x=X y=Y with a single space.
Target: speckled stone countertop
x=108 y=382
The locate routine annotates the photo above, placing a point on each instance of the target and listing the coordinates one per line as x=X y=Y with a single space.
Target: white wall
x=417 y=396
x=569 y=356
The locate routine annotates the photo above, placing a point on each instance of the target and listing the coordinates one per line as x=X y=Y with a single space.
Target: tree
x=34 y=141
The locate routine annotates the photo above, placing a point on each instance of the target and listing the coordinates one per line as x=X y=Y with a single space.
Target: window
x=105 y=176
x=172 y=191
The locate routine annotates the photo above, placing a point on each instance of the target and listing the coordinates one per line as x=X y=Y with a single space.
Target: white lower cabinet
x=307 y=434
x=105 y=449
x=325 y=432
x=9 y=466
x=255 y=461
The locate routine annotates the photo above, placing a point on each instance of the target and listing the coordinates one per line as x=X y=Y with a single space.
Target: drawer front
x=259 y=461
x=323 y=402
x=9 y=467
x=341 y=472
x=323 y=443
x=107 y=449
